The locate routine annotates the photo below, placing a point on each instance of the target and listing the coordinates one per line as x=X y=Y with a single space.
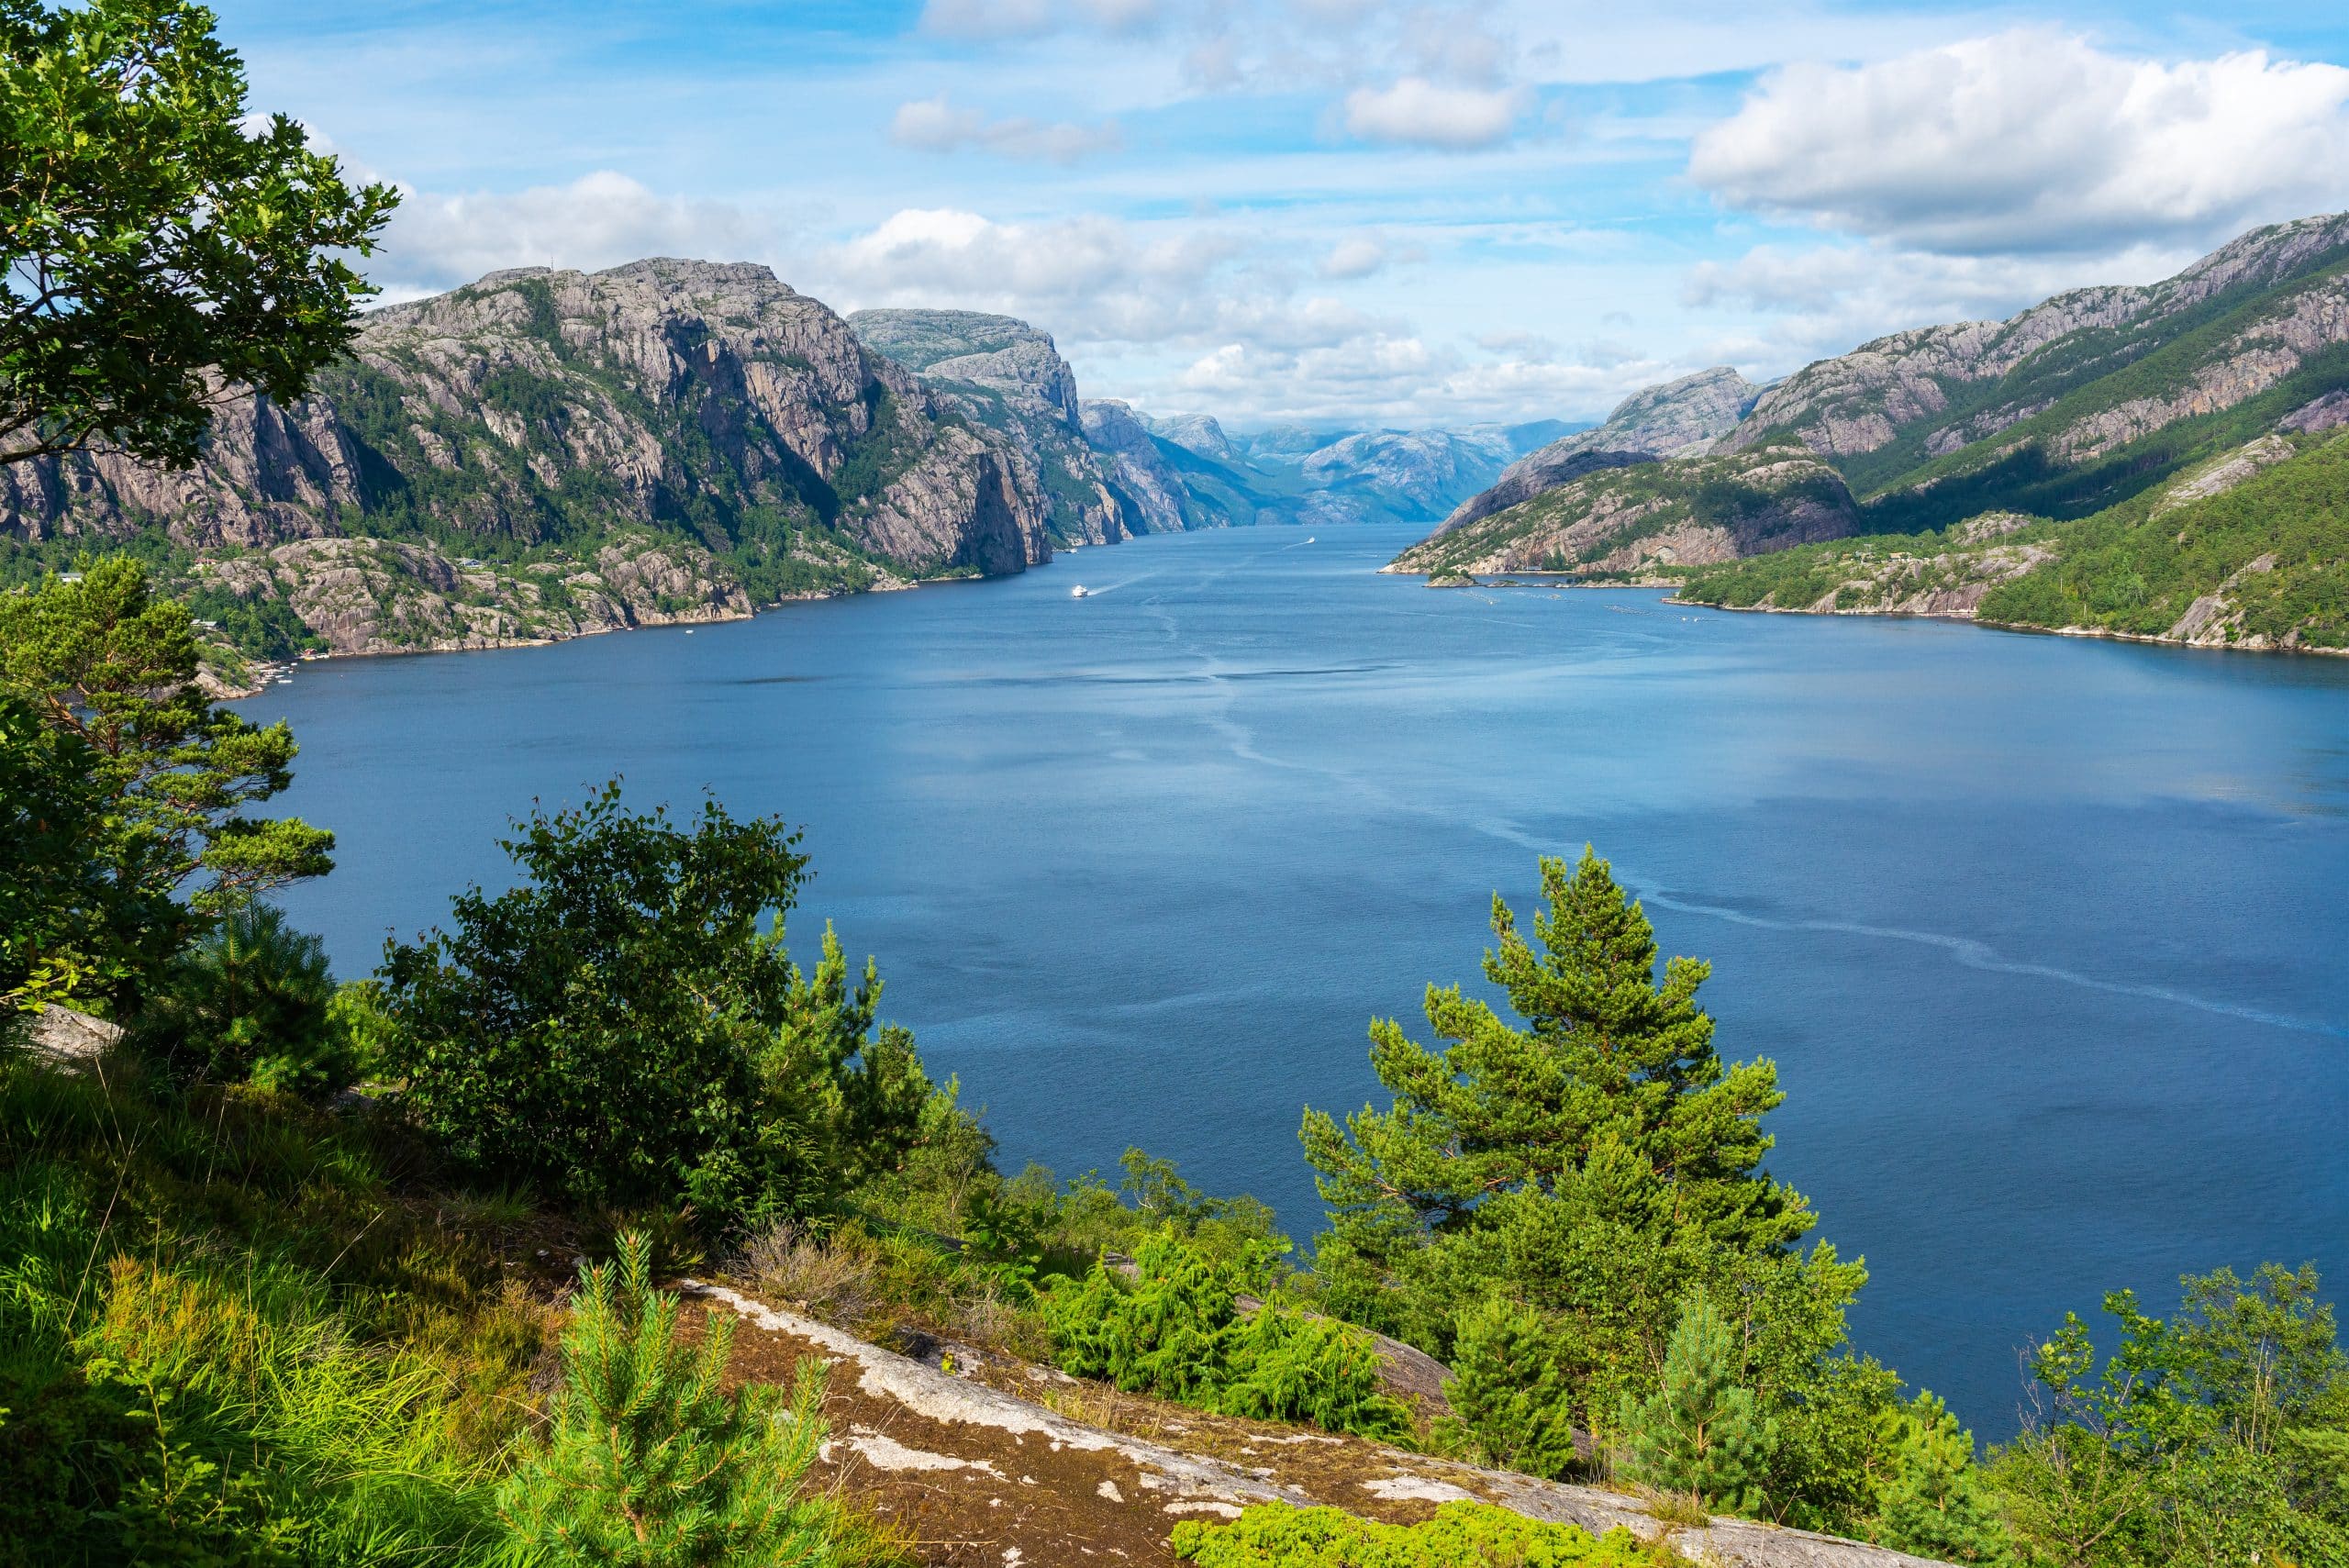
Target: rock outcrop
x=998 y=1461
x=1678 y=418
x=1951 y=386
x=1002 y=374
x=666 y=439
x=1633 y=521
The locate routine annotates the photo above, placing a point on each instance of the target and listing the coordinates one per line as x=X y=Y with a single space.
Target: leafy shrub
x=620 y=1032
x=1176 y=1331
x=251 y=1001
x=1460 y=1535
x=1509 y=1391
x=1700 y=1432
x=649 y=1463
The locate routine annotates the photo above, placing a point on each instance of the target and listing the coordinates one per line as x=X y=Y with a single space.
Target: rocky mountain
x=1296 y=475
x=1680 y=418
x=1198 y=433
x=1633 y=521
x=2075 y=410
x=1005 y=376
x=543 y=453
x=2081 y=376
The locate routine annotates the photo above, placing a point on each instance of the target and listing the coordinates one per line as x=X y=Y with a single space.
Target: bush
x=251 y=1001
x=620 y=1032
x=648 y=1465
x=1176 y=1332
x=1462 y=1535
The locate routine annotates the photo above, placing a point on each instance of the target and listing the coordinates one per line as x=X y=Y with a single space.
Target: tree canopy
x=619 y=1029
x=166 y=777
x=1584 y=1158
x=163 y=252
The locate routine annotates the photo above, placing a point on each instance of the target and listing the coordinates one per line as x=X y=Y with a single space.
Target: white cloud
x=937 y=126
x=435 y=242
x=1361 y=255
x=1415 y=111
x=2035 y=140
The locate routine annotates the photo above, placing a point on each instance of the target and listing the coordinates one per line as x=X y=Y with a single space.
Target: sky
x=1347 y=214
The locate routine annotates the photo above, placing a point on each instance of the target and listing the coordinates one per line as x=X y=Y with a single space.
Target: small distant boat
x=1308 y=538
x=1078 y=592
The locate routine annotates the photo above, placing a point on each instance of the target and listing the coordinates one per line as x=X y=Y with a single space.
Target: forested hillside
x=2022 y=462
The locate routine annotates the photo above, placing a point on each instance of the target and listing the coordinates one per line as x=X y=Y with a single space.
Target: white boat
x=1077 y=592
x=1308 y=538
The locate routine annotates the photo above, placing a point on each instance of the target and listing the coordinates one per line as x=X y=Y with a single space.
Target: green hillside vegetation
x=270 y=1322
x=2091 y=370
x=2124 y=571
x=2275 y=547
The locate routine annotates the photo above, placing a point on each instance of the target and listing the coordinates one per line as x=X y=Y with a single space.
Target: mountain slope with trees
x=1983 y=444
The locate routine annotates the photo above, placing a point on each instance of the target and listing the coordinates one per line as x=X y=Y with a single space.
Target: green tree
x=111 y=667
x=648 y=1462
x=1936 y=1504
x=1595 y=1162
x=163 y=253
x=1509 y=1393
x=252 y=1001
x=1176 y=1329
x=1700 y=1432
x=67 y=926
x=2214 y=1436
x=619 y=1029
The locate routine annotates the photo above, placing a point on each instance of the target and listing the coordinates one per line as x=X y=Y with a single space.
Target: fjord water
x=2045 y=936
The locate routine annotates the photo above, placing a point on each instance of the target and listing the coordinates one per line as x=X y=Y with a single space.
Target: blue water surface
x=2045 y=936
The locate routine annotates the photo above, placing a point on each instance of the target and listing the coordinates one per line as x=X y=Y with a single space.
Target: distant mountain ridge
x=2070 y=417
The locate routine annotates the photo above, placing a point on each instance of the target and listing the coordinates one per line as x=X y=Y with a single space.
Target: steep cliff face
x=1681 y=417
x=1634 y=520
x=565 y=425
x=1140 y=468
x=1002 y=374
x=2080 y=375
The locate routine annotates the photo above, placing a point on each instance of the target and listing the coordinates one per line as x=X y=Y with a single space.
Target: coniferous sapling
x=649 y=1463
x=1700 y=1432
x=1509 y=1391
x=1936 y=1504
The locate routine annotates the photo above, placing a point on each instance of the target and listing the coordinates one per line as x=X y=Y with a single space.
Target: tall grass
x=219 y=1326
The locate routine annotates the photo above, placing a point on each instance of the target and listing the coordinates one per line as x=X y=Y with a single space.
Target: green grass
x=219 y=1322
x=1460 y=1535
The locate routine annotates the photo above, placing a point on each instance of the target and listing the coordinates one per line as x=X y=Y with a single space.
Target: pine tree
x=1509 y=1391
x=648 y=1465
x=1597 y=1160
x=1700 y=1432
x=1936 y=1504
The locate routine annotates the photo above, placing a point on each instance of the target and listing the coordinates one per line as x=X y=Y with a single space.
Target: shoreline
x=2093 y=633
x=278 y=671
x=2085 y=633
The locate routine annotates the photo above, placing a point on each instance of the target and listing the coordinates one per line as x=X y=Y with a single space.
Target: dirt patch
x=1016 y=1466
